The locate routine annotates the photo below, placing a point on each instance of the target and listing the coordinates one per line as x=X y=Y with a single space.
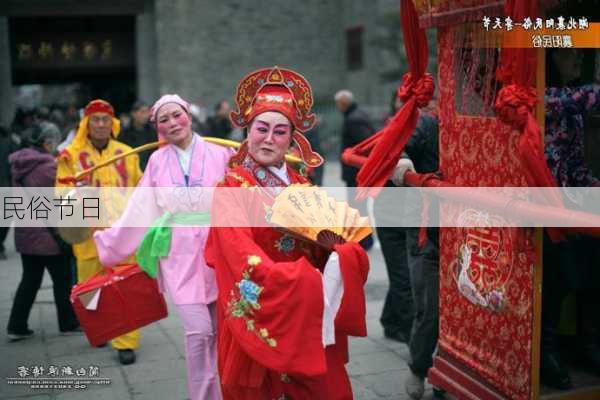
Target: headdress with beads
x=281 y=90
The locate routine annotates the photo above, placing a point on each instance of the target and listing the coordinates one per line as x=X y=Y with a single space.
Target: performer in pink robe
x=181 y=170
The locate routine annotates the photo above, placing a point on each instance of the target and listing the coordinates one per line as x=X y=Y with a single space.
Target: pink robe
x=183 y=274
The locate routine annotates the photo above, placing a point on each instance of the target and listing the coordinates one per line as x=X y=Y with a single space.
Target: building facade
x=202 y=48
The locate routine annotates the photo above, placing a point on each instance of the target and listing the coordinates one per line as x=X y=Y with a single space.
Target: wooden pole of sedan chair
x=540 y=84
x=149 y=146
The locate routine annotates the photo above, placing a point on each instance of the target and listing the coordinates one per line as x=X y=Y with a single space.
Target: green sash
x=157 y=240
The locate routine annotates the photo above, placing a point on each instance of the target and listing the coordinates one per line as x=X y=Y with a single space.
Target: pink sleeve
x=122 y=239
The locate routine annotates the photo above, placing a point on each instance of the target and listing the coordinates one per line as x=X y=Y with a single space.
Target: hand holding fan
x=309 y=212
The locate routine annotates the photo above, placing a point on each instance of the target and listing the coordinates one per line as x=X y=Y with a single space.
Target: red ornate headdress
x=283 y=91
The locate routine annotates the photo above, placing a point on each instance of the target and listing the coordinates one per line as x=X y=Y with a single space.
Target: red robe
x=274 y=350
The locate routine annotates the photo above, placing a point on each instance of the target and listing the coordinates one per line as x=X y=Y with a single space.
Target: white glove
x=404 y=164
x=333 y=290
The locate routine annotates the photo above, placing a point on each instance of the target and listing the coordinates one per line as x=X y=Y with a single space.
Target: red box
x=127 y=299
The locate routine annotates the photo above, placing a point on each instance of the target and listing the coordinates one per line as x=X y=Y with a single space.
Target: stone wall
x=202 y=48
x=6 y=92
x=205 y=49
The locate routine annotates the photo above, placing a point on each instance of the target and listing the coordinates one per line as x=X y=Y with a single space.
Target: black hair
x=591 y=10
x=38 y=134
x=553 y=77
x=218 y=105
x=139 y=104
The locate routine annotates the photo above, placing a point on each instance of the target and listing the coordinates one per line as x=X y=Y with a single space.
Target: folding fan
x=309 y=212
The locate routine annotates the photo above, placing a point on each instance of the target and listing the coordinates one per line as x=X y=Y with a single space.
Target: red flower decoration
x=421 y=89
x=514 y=103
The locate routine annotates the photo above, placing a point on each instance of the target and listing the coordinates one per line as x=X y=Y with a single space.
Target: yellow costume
x=80 y=155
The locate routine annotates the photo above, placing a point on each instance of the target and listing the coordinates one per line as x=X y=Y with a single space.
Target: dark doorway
x=96 y=53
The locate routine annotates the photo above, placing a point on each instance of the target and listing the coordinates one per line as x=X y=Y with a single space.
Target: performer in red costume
x=286 y=306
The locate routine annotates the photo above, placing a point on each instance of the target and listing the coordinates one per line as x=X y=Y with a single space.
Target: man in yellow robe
x=94 y=143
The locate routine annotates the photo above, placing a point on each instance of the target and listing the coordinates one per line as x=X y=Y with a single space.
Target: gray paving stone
x=155 y=337
x=110 y=392
x=366 y=345
x=32 y=397
x=374 y=310
x=45 y=295
x=69 y=345
x=370 y=363
x=385 y=383
x=361 y=392
x=141 y=373
x=172 y=389
x=160 y=352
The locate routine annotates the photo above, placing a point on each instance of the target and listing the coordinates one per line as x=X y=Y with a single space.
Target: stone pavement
x=377 y=365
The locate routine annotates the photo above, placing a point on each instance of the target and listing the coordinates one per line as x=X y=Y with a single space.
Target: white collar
x=184 y=155
x=281 y=172
x=188 y=149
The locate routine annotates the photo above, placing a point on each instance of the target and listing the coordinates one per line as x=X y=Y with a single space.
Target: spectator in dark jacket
x=398 y=309
x=140 y=132
x=34 y=166
x=357 y=127
x=219 y=125
x=7 y=146
x=423 y=261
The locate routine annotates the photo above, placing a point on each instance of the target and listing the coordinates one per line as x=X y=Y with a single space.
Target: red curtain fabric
x=482 y=151
x=515 y=104
x=416 y=91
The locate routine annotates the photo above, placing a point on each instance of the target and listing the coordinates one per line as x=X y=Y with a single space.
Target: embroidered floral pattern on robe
x=285 y=244
x=247 y=303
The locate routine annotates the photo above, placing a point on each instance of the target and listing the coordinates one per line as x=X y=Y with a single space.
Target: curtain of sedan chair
x=486 y=280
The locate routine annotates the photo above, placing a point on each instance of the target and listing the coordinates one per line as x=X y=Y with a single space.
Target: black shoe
x=396 y=335
x=126 y=356
x=3 y=256
x=72 y=332
x=439 y=393
x=553 y=373
x=14 y=336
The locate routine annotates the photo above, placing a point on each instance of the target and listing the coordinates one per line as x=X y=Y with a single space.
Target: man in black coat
x=140 y=132
x=422 y=150
x=357 y=127
x=7 y=146
x=219 y=124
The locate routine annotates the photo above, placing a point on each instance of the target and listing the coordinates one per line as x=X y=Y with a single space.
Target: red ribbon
x=389 y=142
x=514 y=106
x=416 y=91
